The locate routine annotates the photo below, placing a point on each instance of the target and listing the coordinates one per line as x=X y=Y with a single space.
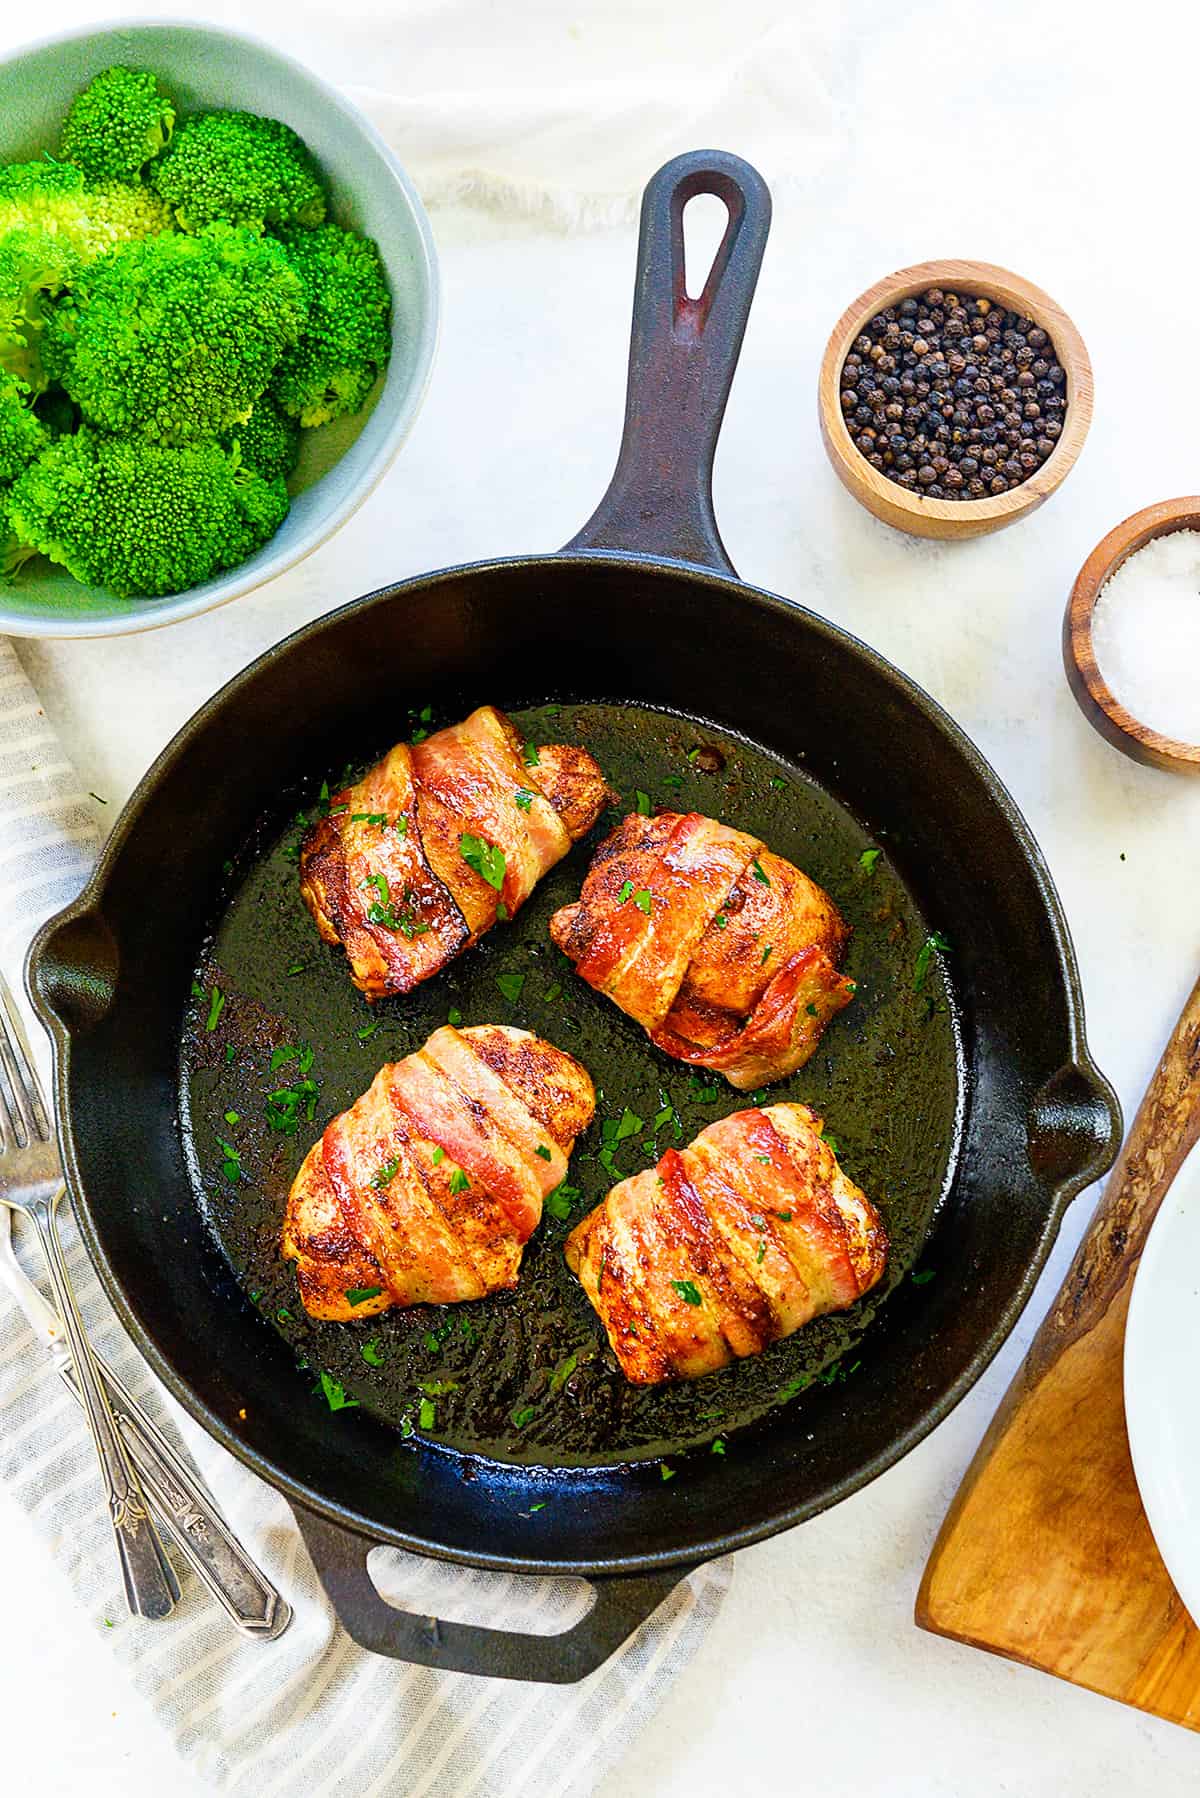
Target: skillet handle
x=682 y=357
x=621 y=1604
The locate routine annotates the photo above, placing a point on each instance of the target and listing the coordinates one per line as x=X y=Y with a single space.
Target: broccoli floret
x=177 y=336
x=116 y=124
x=22 y=433
x=34 y=269
x=89 y=221
x=137 y=517
x=347 y=340
x=241 y=168
x=268 y=441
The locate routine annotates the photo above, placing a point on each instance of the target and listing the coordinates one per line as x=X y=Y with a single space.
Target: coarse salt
x=1146 y=634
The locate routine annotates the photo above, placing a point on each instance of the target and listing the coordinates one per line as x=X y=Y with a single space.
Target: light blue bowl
x=204 y=66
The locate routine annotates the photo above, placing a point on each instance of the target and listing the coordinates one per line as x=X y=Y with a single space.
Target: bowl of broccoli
x=218 y=314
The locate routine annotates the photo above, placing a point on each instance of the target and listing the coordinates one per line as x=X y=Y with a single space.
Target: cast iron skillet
x=642 y=609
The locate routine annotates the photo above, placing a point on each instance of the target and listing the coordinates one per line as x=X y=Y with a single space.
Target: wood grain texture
x=944 y=518
x=1045 y=1555
x=1097 y=702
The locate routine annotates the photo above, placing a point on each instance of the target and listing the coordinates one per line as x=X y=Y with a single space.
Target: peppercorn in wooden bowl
x=984 y=319
x=1096 y=700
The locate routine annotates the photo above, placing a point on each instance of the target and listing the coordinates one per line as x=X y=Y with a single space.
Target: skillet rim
x=689 y=1549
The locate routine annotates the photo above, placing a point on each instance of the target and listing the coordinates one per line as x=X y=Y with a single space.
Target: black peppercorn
x=952 y=396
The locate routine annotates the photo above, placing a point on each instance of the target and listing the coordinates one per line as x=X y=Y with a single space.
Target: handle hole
x=524 y=1603
x=705 y=222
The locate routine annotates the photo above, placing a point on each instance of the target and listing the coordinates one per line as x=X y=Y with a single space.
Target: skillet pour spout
x=642 y=612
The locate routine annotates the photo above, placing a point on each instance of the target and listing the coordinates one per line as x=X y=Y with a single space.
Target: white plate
x=1162 y=1403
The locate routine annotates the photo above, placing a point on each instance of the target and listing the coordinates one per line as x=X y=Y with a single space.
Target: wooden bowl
x=1096 y=700
x=912 y=512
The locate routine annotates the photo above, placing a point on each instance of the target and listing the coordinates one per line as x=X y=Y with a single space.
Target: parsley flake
x=486 y=859
x=358 y=1295
x=642 y=801
x=934 y=944
x=335 y=1394
x=510 y=985
x=688 y=1291
x=560 y=1202
x=643 y=900
x=370 y=1353
x=215 y=1007
x=427 y=1413
x=868 y=858
x=459 y=1181
x=544 y=1152
x=523 y=799
x=626 y=892
x=521 y=1417
x=668 y=1473
x=718 y=1447
x=384 y=1177
x=760 y=873
x=765 y=956
x=231 y=1166
x=923 y=1278
x=439 y=1155
x=454 y=1017
x=530 y=756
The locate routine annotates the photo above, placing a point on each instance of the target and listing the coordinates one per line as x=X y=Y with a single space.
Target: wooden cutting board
x=1046 y=1555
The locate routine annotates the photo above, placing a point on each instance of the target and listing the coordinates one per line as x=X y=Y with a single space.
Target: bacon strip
x=729 y=1244
x=724 y=953
x=384 y=873
x=428 y=1187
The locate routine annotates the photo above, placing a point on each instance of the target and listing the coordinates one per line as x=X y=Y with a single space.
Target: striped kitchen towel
x=254 y=1717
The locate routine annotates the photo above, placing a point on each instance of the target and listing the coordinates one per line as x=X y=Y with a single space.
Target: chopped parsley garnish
x=718 y=1447
x=812 y=1010
x=563 y=1371
x=501 y=912
x=297 y=967
x=868 y=858
x=922 y=1279
x=643 y=901
x=231 y=1166
x=765 y=956
x=540 y=1505
x=688 y=1291
x=760 y=872
x=287 y=1104
x=358 y=1295
x=434 y=1339
x=370 y=1353
x=368 y=1030
x=486 y=859
x=384 y=1177
x=559 y=1203
x=626 y=892
x=406 y=1427
x=459 y=1181
x=778 y=781
x=335 y=1394
x=521 y=1417
x=439 y=1155
x=668 y=1473
x=437 y=1388
x=427 y=1413
x=230 y=1052
x=216 y=1006
x=401 y=825
x=674 y=781
x=510 y=985
x=785 y=1217
x=700 y=1094
x=935 y=943
x=454 y=1016
x=530 y=756
x=642 y=801
x=793 y=1387
x=379 y=818
x=830 y=1141
x=231 y=1117
x=544 y=1152
x=523 y=799
x=766 y=1159
x=286 y=1052
x=720 y=920
x=762 y=1249
x=553 y=991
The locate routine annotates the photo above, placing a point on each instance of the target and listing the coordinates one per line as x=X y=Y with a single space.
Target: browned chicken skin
x=415 y=861
x=427 y=1189
x=726 y=1246
x=725 y=953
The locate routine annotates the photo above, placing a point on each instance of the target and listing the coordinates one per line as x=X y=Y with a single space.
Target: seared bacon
x=412 y=863
x=426 y=1190
x=726 y=1246
x=726 y=954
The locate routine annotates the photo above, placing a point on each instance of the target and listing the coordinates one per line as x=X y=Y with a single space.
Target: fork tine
x=20 y=1073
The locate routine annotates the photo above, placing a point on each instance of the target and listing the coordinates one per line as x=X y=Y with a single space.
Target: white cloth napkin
x=256 y=1717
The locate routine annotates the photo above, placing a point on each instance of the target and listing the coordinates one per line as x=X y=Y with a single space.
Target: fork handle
x=151 y=1588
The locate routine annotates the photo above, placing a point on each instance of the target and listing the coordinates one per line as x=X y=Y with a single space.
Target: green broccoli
x=54 y=197
x=175 y=337
x=34 y=269
x=116 y=124
x=22 y=433
x=268 y=441
x=347 y=341
x=237 y=167
x=137 y=517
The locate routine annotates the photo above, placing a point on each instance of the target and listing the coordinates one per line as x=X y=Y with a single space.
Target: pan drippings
x=278 y=1041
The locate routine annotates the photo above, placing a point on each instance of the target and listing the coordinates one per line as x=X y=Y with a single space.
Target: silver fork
x=31 y=1182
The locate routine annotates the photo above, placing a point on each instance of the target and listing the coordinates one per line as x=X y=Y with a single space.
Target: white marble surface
x=1057 y=139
